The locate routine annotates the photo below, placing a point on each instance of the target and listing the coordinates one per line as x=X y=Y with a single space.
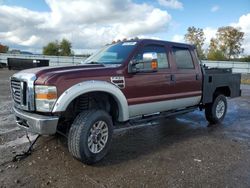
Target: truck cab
x=175 y=84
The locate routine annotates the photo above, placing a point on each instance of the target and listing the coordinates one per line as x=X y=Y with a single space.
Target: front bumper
x=35 y=123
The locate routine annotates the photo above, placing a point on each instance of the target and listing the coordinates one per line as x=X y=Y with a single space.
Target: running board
x=151 y=117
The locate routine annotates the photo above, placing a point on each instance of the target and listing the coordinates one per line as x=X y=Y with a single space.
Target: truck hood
x=44 y=74
x=64 y=77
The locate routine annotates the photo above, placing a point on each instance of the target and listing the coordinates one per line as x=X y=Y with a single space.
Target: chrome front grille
x=16 y=91
x=22 y=89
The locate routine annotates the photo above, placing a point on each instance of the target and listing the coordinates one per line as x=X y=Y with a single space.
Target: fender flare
x=91 y=86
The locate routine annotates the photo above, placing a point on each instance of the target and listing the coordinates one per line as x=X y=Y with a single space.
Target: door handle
x=197 y=77
x=172 y=77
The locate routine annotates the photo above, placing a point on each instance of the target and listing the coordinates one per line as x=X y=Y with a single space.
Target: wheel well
x=225 y=90
x=91 y=100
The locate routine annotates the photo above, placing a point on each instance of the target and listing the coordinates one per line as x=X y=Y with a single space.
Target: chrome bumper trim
x=39 y=124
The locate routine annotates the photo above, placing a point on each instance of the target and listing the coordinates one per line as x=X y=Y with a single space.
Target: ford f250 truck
x=121 y=82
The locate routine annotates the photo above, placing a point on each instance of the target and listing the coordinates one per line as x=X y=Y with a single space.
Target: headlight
x=46 y=97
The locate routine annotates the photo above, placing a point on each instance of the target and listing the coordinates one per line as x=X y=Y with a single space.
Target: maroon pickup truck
x=120 y=83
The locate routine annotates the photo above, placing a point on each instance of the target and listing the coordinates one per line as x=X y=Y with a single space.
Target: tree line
x=226 y=45
x=62 y=48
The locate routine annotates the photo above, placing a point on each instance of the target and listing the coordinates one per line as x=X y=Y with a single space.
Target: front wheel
x=90 y=136
x=216 y=111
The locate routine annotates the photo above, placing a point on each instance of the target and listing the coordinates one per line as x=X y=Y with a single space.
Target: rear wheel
x=216 y=111
x=90 y=136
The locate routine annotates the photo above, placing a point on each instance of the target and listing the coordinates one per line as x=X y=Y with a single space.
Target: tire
x=90 y=136
x=216 y=111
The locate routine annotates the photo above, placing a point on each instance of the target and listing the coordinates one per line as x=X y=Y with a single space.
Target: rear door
x=187 y=76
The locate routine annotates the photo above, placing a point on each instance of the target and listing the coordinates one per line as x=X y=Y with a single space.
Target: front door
x=146 y=91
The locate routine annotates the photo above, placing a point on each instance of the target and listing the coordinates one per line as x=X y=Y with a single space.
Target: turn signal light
x=46 y=96
x=154 y=65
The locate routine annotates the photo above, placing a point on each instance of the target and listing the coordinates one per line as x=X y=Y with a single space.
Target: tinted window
x=161 y=55
x=183 y=58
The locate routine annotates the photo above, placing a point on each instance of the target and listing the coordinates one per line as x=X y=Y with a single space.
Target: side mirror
x=147 y=64
x=149 y=56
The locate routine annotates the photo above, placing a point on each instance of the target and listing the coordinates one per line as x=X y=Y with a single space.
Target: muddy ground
x=181 y=152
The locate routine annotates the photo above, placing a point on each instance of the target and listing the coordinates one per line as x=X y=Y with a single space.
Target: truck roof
x=161 y=41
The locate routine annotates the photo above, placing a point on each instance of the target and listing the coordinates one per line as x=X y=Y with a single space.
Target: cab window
x=182 y=58
x=161 y=55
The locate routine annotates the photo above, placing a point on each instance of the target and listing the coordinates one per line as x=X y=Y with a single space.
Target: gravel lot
x=181 y=152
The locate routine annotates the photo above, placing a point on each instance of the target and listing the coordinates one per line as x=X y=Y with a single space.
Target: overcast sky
x=89 y=24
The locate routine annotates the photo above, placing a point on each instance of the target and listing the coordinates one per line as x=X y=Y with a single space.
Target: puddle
x=187 y=121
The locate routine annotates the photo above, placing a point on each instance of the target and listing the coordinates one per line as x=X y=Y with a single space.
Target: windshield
x=112 y=54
